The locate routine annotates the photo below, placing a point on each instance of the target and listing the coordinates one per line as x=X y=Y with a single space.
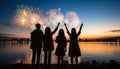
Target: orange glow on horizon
x=82 y=36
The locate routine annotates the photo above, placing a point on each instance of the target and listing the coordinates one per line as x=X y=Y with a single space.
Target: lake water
x=14 y=52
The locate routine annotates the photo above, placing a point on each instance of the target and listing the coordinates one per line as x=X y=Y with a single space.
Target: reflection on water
x=15 y=52
x=100 y=51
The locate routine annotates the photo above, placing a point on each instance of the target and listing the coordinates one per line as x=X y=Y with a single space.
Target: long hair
x=73 y=31
x=47 y=30
x=61 y=33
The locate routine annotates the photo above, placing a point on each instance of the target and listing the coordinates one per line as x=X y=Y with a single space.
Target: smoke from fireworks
x=55 y=16
x=28 y=16
x=72 y=19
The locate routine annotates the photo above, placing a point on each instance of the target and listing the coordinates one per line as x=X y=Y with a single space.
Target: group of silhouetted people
x=45 y=41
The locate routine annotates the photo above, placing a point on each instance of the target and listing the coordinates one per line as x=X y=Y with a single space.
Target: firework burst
x=28 y=16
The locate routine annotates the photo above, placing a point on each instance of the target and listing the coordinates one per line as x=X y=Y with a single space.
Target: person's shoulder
x=58 y=37
x=64 y=37
x=40 y=31
x=32 y=32
x=35 y=31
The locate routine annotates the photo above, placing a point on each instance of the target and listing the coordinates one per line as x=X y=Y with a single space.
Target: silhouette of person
x=36 y=44
x=48 y=46
x=61 y=47
x=74 y=50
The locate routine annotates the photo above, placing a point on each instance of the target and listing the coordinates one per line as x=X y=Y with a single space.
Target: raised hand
x=59 y=23
x=56 y=28
x=67 y=28
x=80 y=29
x=82 y=24
x=65 y=24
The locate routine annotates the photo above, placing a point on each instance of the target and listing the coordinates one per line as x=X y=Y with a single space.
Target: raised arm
x=80 y=29
x=67 y=29
x=55 y=29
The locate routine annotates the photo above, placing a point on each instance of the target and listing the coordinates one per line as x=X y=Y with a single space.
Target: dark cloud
x=4 y=34
x=6 y=24
x=118 y=30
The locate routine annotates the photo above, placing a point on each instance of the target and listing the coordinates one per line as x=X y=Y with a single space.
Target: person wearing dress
x=74 y=49
x=61 y=47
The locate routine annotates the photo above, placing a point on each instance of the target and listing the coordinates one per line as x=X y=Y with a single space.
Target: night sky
x=100 y=17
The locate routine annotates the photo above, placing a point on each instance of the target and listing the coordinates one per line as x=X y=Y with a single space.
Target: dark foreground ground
x=80 y=66
x=83 y=65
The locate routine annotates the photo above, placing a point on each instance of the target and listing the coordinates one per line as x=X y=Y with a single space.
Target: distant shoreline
x=105 y=39
x=67 y=41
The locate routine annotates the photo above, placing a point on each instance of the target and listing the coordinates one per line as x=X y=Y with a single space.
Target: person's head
x=37 y=26
x=47 y=30
x=61 y=32
x=73 y=31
